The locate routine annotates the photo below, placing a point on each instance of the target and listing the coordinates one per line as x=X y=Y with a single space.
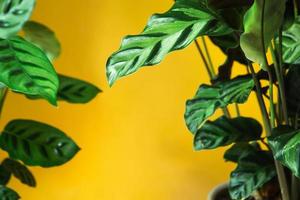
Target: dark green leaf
x=43 y=37
x=8 y=194
x=291 y=43
x=74 y=90
x=222 y=4
x=240 y=150
x=37 y=144
x=164 y=33
x=20 y=171
x=5 y=175
x=209 y=98
x=285 y=144
x=253 y=171
x=224 y=131
x=13 y=14
x=26 y=69
x=292 y=85
x=251 y=39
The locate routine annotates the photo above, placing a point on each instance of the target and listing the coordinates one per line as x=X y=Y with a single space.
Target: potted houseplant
x=26 y=65
x=262 y=35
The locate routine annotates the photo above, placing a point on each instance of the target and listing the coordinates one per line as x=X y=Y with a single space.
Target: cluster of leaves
x=26 y=68
x=243 y=30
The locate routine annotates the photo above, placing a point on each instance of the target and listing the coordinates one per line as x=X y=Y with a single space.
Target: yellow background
x=135 y=145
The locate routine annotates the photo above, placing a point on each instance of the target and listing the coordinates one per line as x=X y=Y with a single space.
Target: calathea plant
x=26 y=68
x=268 y=167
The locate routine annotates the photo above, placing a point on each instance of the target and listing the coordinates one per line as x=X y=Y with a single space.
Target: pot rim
x=215 y=191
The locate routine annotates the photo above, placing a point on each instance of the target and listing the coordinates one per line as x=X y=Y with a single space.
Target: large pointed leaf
x=13 y=14
x=37 y=144
x=239 y=150
x=8 y=194
x=291 y=43
x=224 y=131
x=285 y=144
x=74 y=90
x=253 y=171
x=5 y=175
x=25 y=68
x=251 y=39
x=164 y=33
x=43 y=37
x=20 y=171
x=209 y=98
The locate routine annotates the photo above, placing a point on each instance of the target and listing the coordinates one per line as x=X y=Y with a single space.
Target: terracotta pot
x=216 y=191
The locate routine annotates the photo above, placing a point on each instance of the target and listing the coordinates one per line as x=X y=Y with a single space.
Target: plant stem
x=279 y=167
x=238 y=112
x=211 y=74
x=295 y=8
x=3 y=93
x=295 y=181
x=208 y=56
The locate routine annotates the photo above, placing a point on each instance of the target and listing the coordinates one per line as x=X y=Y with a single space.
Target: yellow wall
x=135 y=145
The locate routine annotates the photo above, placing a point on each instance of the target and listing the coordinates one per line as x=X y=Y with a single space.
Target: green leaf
x=251 y=39
x=74 y=90
x=43 y=37
x=224 y=131
x=252 y=172
x=164 y=33
x=5 y=176
x=24 y=68
x=209 y=98
x=223 y=4
x=285 y=144
x=8 y=194
x=37 y=144
x=291 y=43
x=20 y=171
x=239 y=150
x=292 y=85
x=13 y=14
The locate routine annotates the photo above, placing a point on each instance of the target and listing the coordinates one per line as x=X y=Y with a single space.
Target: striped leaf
x=8 y=194
x=25 y=68
x=20 y=171
x=43 y=37
x=37 y=144
x=13 y=14
x=291 y=43
x=164 y=33
x=209 y=98
x=74 y=90
x=224 y=131
x=239 y=150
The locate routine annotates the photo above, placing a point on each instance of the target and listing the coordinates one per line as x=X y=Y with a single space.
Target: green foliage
x=209 y=98
x=20 y=171
x=292 y=85
x=24 y=68
x=74 y=90
x=253 y=171
x=164 y=33
x=239 y=150
x=5 y=175
x=224 y=131
x=285 y=144
x=251 y=39
x=37 y=144
x=8 y=194
x=13 y=14
x=291 y=43
x=43 y=37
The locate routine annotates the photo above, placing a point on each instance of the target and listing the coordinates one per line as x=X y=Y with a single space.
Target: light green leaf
x=37 y=144
x=251 y=39
x=8 y=194
x=224 y=131
x=239 y=150
x=285 y=144
x=43 y=37
x=291 y=43
x=20 y=171
x=253 y=171
x=13 y=14
x=209 y=98
x=24 y=68
x=164 y=33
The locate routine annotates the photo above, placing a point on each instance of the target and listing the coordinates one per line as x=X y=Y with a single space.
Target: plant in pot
x=262 y=35
x=26 y=68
